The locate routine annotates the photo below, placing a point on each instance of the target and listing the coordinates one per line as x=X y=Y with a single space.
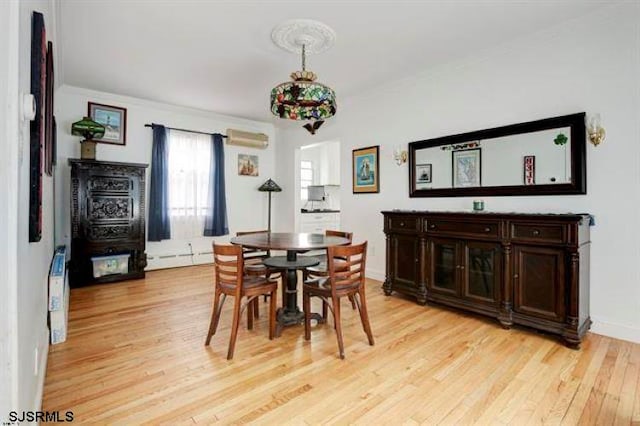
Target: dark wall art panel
x=36 y=142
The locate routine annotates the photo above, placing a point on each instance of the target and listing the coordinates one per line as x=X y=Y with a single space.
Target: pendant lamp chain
x=304 y=59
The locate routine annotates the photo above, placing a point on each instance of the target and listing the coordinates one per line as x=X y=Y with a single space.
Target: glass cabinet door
x=444 y=266
x=481 y=271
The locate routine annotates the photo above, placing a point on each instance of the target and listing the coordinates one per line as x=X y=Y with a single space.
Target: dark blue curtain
x=216 y=221
x=159 y=224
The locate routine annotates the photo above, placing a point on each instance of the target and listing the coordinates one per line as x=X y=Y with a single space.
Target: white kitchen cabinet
x=319 y=222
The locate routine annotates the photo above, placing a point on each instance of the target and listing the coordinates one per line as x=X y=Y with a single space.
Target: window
x=306 y=178
x=189 y=170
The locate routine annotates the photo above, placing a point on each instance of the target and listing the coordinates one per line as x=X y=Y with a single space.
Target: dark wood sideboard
x=107 y=218
x=527 y=269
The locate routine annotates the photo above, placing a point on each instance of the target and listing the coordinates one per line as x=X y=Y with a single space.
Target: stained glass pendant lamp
x=303 y=98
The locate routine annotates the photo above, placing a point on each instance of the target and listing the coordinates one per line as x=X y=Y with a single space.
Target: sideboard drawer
x=549 y=233
x=484 y=228
x=404 y=223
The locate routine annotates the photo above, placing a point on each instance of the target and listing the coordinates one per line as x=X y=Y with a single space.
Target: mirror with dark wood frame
x=543 y=157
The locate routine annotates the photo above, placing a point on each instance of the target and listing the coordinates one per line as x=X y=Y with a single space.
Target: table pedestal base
x=291 y=314
x=286 y=318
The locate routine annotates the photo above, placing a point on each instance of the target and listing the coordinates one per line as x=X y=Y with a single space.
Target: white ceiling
x=218 y=55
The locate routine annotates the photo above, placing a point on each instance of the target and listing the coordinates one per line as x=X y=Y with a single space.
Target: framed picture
x=248 y=165
x=366 y=170
x=114 y=119
x=423 y=174
x=529 y=169
x=467 y=168
x=37 y=126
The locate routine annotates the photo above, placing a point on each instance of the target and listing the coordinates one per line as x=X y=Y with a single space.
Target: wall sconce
x=595 y=130
x=400 y=155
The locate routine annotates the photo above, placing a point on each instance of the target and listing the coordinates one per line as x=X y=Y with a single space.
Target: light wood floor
x=135 y=354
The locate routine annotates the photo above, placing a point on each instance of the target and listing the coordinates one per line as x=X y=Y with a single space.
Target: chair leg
x=222 y=300
x=338 y=325
x=215 y=316
x=234 y=327
x=250 y=307
x=306 y=306
x=272 y=315
x=352 y=299
x=325 y=310
x=364 y=316
x=256 y=307
x=267 y=276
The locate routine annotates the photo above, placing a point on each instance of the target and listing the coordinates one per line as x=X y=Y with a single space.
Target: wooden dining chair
x=346 y=265
x=321 y=269
x=253 y=258
x=231 y=280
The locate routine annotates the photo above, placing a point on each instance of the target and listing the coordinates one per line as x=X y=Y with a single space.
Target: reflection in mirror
x=541 y=157
x=534 y=158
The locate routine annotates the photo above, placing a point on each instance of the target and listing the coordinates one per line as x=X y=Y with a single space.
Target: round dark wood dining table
x=293 y=243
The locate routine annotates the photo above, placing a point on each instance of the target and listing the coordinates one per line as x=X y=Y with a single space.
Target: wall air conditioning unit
x=252 y=140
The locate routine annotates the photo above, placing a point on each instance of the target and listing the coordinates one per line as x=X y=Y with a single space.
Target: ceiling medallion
x=303 y=98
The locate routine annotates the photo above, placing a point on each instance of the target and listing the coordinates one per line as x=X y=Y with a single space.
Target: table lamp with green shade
x=88 y=129
x=269 y=186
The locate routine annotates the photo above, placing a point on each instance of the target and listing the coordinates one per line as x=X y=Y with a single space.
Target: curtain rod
x=183 y=130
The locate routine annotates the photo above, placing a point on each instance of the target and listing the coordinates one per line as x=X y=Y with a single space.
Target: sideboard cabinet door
x=539 y=282
x=405 y=252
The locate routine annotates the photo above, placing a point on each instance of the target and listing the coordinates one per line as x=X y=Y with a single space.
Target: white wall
x=325 y=157
x=9 y=133
x=313 y=154
x=33 y=259
x=588 y=64
x=246 y=207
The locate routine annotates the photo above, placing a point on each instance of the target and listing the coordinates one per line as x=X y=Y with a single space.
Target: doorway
x=317 y=186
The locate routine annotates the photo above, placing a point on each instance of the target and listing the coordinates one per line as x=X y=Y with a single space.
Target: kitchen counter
x=319 y=211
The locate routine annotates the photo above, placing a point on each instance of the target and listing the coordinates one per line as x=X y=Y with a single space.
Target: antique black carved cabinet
x=529 y=269
x=107 y=217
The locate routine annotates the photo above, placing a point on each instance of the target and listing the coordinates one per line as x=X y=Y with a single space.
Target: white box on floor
x=56 y=279
x=58 y=320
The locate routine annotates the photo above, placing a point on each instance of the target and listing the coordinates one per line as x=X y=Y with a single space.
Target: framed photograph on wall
x=248 y=165
x=114 y=119
x=366 y=170
x=423 y=175
x=467 y=168
x=529 y=169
